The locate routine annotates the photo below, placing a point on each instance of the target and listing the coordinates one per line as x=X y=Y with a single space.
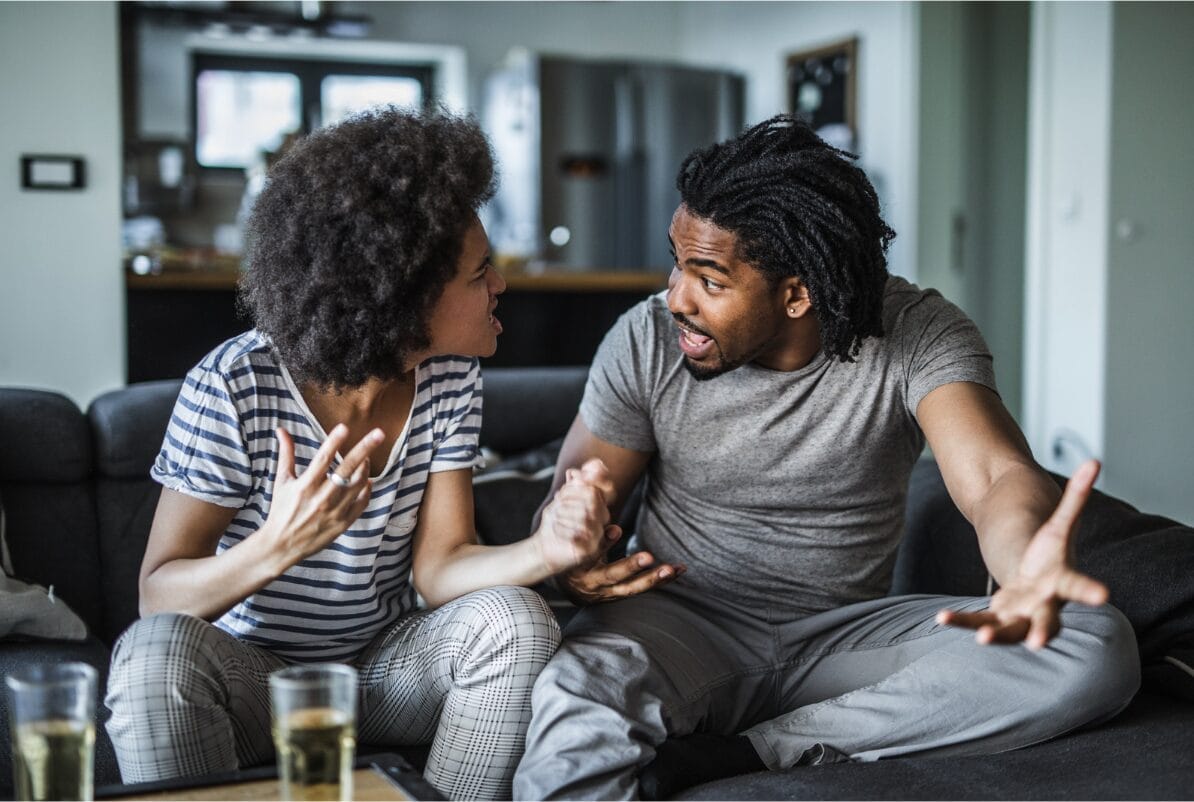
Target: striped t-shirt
x=220 y=447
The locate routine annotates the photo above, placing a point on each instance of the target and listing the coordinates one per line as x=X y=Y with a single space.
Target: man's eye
x=710 y=284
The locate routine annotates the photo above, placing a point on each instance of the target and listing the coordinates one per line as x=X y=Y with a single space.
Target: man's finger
x=1073 y=586
x=644 y=582
x=956 y=618
x=1043 y=627
x=623 y=569
x=1013 y=631
x=1073 y=499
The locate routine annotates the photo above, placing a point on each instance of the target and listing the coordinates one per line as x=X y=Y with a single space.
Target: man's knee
x=1103 y=672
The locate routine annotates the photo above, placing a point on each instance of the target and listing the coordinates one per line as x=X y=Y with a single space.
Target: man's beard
x=702 y=373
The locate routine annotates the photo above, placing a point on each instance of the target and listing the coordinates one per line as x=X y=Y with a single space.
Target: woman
x=316 y=473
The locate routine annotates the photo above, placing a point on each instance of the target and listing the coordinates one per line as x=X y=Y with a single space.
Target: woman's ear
x=797 y=303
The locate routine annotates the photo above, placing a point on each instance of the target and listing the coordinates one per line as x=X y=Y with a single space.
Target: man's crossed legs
x=871 y=680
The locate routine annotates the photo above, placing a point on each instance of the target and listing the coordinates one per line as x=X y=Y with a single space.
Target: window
x=244 y=105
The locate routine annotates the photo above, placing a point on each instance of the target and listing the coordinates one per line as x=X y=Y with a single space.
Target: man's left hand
x=1028 y=607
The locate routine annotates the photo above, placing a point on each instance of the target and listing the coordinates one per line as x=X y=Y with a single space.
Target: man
x=777 y=396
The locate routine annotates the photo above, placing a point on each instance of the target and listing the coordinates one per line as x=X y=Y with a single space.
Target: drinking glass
x=52 y=713
x=314 y=723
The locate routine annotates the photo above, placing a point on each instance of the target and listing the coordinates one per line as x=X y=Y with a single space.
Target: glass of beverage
x=52 y=713
x=314 y=722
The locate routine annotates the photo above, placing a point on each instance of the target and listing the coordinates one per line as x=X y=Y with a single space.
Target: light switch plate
x=52 y=172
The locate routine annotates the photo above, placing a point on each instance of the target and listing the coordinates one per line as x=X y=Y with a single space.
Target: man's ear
x=797 y=303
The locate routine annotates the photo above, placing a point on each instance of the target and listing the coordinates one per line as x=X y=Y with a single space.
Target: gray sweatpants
x=870 y=680
x=190 y=699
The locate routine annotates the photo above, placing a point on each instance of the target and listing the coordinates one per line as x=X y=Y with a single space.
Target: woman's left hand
x=572 y=529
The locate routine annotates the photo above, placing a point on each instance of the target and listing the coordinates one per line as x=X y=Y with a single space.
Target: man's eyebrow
x=707 y=263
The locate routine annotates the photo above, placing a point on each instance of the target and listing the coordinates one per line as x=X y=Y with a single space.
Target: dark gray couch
x=79 y=503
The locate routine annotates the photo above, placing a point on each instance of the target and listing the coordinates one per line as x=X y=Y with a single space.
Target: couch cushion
x=527 y=407
x=1144 y=753
x=43 y=438
x=128 y=426
x=45 y=479
x=939 y=552
x=1146 y=561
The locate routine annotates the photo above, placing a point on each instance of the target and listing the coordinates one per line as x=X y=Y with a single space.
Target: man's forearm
x=1019 y=501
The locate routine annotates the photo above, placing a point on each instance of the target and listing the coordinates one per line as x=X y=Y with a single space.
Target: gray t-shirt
x=782 y=492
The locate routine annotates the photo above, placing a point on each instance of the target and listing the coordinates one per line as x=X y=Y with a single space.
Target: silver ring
x=337 y=479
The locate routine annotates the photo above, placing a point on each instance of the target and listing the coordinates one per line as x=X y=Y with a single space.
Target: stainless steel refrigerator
x=588 y=153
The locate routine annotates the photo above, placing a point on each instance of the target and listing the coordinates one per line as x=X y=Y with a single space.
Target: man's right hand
x=605 y=582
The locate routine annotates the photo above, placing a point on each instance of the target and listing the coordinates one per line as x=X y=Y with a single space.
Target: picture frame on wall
x=822 y=90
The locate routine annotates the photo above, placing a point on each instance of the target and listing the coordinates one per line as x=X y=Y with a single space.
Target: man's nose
x=679 y=299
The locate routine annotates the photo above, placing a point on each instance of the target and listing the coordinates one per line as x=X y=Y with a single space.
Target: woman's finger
x=285 y=454
x=359 y=454
x=317 y=470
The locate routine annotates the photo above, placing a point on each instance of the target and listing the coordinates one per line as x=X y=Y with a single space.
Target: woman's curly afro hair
x=799 y=207
x=354 y=236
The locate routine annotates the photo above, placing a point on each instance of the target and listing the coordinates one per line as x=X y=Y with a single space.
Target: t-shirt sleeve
x=939 y=344
x=204 y=454
x=616 y=403
x=458 y=446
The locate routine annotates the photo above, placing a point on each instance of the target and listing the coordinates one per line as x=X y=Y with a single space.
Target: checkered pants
x=190 y=699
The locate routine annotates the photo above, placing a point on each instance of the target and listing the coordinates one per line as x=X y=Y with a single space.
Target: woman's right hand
x=310 y=511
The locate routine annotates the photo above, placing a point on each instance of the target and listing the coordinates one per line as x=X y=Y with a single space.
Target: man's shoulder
x=909 y=309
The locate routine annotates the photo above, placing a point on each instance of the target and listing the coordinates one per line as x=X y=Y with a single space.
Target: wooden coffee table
x=377 y=777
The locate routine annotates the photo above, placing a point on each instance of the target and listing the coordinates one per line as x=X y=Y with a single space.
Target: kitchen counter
x=176 y=316
x=181 y=278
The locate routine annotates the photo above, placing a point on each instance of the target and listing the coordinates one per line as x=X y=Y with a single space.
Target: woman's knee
x=159 y=651
x=513 y=621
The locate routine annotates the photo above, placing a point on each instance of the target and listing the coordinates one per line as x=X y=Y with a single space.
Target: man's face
x=727 y=311
x=462 y=321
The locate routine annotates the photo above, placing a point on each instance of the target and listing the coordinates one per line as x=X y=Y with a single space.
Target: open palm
x=1028 y=607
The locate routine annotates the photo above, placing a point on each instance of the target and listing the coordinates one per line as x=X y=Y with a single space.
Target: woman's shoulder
x=441 y=374
x=247 y=355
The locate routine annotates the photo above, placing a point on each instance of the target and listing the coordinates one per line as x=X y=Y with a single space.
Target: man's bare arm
x=1024 y=524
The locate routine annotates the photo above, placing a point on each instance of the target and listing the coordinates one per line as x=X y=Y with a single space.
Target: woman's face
x=462 y=322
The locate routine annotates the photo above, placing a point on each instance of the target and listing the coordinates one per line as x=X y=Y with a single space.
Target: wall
x=1149 y=442
x=755 y=39
x=62 y=308
x=1066 y=240
x=971 y=170
x=709 y=35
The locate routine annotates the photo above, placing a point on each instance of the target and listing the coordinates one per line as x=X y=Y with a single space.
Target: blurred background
x=1031 y=156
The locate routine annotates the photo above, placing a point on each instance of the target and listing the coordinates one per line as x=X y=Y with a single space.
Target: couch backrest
x=127 y=427
x=49 y=500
